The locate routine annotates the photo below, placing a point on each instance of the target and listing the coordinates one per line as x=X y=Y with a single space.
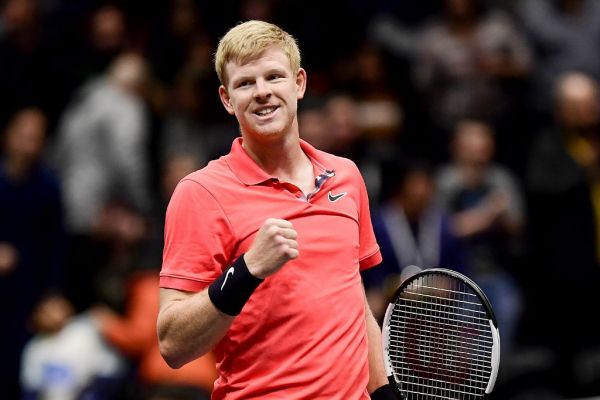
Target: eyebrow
x=276 y=70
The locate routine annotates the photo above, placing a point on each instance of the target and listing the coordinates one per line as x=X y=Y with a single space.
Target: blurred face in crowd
x=18 y=15
x=342 y=124
x=108 y=29
x=312 y=128
x=473 y=144
x=25 y=135
x=184 y=17
x=51 y=315
x=416 y=193
x=129 y=72
x=176 y=168
x=461 y=9
x=578 y=102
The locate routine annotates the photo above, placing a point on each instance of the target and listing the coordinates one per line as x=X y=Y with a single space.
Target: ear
x=301 y=82
x=226 y=100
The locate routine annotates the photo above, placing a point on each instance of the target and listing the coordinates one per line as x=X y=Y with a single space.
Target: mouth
x=266 y=111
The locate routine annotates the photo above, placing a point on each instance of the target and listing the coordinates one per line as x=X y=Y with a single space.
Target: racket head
x=440 y=337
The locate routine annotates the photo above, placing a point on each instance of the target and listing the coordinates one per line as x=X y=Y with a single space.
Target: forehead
x=270 y=58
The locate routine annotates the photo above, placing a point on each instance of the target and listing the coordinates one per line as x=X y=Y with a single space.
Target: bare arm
x=377 y=374
x=492 y=212
x=189 y=325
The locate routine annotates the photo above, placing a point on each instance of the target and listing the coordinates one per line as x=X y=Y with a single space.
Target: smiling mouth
x=266 y=111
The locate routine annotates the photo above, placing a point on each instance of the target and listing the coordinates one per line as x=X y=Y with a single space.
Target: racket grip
x=385 y=392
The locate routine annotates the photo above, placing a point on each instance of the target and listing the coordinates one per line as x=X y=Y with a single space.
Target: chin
x=271 y=132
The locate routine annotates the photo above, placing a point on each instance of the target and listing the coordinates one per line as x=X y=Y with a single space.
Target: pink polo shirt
x=302 y=334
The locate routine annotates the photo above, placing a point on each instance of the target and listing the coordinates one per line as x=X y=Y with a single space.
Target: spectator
x=31 y=236
x=131 y=327
x=310 y=119
x=67 y=358
x=487 y=210
x=23 y=70
x=562 y=183
x=466 y=63
x=134 y=334
x=189 y=127
x=566 y=37
x=172 y=39
x=411 y=229
x=101 y=153
x=347 y=139
x=379 y=110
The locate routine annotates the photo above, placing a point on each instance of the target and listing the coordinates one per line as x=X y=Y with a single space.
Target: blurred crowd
x=475 y=123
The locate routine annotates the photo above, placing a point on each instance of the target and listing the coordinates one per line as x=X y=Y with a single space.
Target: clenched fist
x=274 y=245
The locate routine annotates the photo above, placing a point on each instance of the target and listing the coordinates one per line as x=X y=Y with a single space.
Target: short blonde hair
x=248 y=40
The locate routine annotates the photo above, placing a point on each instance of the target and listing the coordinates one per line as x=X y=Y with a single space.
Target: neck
x=276 y=157
x=472 y=174
x=284 y=160
x=462 y=25
x=16 y=168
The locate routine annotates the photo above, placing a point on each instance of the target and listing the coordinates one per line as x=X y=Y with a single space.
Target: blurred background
x=476 y=124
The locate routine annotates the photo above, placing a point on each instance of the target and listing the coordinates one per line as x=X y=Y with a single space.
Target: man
x=263 y=247
x=31 y=236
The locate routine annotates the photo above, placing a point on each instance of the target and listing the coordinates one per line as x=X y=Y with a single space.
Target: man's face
x=263 y=94
x=581 y=111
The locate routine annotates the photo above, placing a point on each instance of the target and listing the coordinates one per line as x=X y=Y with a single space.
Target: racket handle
x=385 y=392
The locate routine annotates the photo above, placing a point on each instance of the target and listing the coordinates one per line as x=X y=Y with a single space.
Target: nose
x=261 y=89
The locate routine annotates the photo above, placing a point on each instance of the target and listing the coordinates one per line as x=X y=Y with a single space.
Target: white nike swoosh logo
x=230 y=271
x=335 y=197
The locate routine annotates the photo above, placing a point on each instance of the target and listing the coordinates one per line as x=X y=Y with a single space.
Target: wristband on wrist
x=230 y=291
x=385 y=392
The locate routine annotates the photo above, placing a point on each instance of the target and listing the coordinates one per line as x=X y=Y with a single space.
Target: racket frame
x=495 y=355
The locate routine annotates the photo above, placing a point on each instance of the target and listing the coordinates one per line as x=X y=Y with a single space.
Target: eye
x=274 y=76
x=243 y=84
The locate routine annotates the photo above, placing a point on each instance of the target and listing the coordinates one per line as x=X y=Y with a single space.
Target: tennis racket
x=440 y=338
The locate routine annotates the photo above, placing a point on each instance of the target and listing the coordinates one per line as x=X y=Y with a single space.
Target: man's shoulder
x=215 y=173
x=335 y=162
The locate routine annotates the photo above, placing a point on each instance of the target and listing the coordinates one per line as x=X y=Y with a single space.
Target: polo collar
x=249 y=173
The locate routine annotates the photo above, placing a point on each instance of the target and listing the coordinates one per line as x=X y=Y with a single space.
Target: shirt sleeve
x=198 y=239
x=369 y=253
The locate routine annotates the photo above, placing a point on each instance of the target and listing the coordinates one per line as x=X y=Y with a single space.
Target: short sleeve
x=369 y=252
x=198 y=239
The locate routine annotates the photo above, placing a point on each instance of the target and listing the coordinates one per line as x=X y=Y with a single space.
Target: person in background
x=132 y=329
x=264 y=246
x=67 y=358
x=412 y=230
x=133 y=334
x=31 y=235
x=487 y=210
x=563 y=188
x=101 y=155
x=564 y=35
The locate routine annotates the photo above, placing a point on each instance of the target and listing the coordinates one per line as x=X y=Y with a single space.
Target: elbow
x=170 y=355
x=177 y=356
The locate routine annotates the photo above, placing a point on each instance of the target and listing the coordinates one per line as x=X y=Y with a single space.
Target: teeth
x=266 y=111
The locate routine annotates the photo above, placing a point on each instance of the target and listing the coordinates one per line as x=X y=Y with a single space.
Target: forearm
x=377 y=374
x=189 y=326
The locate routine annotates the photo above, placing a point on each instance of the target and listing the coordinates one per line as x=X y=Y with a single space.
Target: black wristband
x=385 y=392
x=230 y=291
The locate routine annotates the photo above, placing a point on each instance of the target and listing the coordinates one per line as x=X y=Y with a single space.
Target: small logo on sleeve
x=230 y=271
x=335 y=197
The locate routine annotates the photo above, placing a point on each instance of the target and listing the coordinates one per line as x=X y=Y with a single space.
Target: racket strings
x=431 y=353
x=448 y=321
x=444 y=363
x=455 y=335
x=440 y=340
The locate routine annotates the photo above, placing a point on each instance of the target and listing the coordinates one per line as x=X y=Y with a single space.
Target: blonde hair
x=248 y=40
